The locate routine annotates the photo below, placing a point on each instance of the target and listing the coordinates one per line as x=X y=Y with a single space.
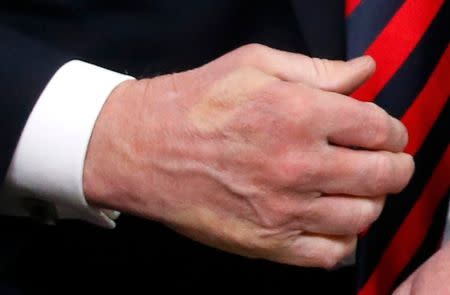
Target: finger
x=341 y=215
x=360 y=124
x=405 y=287
x=363 y=173
x=331 y=75
x=315 y=251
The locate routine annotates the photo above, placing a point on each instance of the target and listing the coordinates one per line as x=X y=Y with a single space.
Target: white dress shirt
x=49 y=158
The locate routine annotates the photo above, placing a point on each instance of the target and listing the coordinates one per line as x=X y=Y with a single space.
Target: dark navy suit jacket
x=141 y=38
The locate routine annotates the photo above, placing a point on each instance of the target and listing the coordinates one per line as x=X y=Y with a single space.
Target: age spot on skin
x=216 y=108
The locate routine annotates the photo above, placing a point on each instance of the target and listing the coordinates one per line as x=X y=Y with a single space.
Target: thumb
x=330 y=75
x=338 y=76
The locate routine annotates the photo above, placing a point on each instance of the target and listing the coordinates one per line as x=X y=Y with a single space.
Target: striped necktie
x=409 y=39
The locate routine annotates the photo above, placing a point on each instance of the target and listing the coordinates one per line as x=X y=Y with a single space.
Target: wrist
x=102 y=184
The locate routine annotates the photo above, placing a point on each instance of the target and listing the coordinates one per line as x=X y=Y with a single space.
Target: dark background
x=141 y=257
x=144 y=39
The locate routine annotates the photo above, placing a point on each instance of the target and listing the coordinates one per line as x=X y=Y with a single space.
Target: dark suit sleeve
x=26 y=65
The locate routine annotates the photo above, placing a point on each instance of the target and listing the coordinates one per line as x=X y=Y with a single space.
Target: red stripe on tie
x=423 y=113
x=411 y=233
x=350 y=6
x=425 y=110
x=419 y=120
x=396 y=42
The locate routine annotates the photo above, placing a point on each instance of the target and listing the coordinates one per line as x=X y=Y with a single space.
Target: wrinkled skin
x=432 y=277
x=252 y=153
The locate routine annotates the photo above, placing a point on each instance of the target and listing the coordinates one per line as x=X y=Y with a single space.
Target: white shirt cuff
x=49 y=158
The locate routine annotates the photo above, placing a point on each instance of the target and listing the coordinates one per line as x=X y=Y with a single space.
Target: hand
x=252 y=153
x=431 y=278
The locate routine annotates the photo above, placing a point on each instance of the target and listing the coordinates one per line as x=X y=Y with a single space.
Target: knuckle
x=381 y=175
x=279 y=171
x=324 y=73
x=309 y=168
x=309 y=215
x=321 y=69
x=246 y=73
x=287 y=216
x=337 y=252
x=374 y=210
x=287 y=172
x=275 y=213
x=369 y=212
x=253 y=50
x=359 y=218
x=320 y=66
x=250 y=79
x=329 y=260
x=243 y=82
x=298 y=172
x=348 y=247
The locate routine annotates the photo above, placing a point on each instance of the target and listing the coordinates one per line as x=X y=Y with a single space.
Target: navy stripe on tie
x=372 y=246
x=407 y=83
x=367 y=22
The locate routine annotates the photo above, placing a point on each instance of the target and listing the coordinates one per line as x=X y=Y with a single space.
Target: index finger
x=353 y=123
